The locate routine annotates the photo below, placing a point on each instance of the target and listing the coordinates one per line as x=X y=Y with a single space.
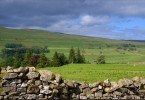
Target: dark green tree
x=56 y=60
x=83 y=59
x=8 y=61
x=17 y=60
x=72 y=57
x=62 y=59
x=42 y=62
x=79 y=57
x=27 y=57
x=101 y=59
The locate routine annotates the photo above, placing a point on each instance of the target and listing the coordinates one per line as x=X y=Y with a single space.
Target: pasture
x=94 y=72
x=111 y=55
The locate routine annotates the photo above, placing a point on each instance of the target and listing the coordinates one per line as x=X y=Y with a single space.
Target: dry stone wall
x=27 y=84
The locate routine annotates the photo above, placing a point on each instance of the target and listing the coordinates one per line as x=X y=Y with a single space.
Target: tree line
x=28 y=57
x=10 y=50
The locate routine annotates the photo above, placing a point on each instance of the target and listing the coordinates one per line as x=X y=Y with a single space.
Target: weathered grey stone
x=21 y=98
x=94 y=85
x=22 y=94
x=84 y=85
x=125 y=82
x=13 y=97
x=24 y=85
x=22 y=70
x=31 y=69
x=143 y=81
x=58 y=78
x=38 y=82
x=22 y=76
x=130 y=92
x=100 y=87
x=64 y=90
x=6 y=97
x=107 y=89
x=2 y=93
x=73 y=96
x=18 y=85
x=87 y=91
x=93 y=90
x=91 y=96
x=53 y=86
x=41 y=95
x=62 y=85
x=83 y=97
x=117 y=93
x=10 y=75
x=3 y=70
x=1 y=97
x=5 y=83
x=46 y=75
x=15 y=70
x=33 y=89
x=69 y=83
x=76 y=83
x=107 y=83
x=17 y=81
x=135 y=97
x=44 y=83
x=64 y=97
x=8 y=89
x=114 y=85
x=13 y=93
x=45 y=90
x=98 y=94
x=40 y=86
x=55 y=92
x=50 y=92
x=13 y=85
x=31 y=82
x=136 y=79
x=107 y=95
x=31 y=97
x=21 y=90
x=46 y=98
x=123 y=90
x=9 y=69
x=33 y=75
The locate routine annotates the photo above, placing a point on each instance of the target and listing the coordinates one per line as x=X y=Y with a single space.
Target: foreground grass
x=94 y=72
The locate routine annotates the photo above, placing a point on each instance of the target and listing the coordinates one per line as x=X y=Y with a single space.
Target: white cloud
x=91 y=20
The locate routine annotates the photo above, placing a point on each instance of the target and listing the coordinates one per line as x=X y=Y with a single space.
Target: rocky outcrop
x=26 y=84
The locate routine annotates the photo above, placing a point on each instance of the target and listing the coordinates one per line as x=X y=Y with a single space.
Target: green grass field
x=94 y=72
x=111 y=55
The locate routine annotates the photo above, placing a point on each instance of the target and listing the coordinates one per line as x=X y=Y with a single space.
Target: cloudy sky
x=115 y=19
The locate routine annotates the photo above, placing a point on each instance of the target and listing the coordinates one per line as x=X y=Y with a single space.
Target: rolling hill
x=31 y=37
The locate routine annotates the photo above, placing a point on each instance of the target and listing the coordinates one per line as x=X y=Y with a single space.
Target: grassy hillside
x=31 y=37
x=90 y=46
x=93 y=72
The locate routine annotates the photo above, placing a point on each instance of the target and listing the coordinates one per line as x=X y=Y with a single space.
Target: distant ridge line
x=136 y=40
